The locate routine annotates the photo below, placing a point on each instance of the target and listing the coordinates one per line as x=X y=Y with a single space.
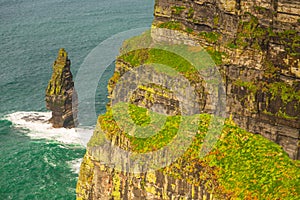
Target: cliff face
x=260 y=44
x=256 y=46
x=60 y=92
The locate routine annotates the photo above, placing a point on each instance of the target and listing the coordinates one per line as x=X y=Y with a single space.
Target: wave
x=39 y=128
x=75 y=165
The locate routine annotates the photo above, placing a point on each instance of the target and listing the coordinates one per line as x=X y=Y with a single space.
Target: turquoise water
x=31 y=32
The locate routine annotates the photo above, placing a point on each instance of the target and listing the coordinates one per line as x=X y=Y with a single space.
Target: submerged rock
x=60 y=93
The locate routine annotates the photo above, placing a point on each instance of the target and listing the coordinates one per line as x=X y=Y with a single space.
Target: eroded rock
x=60 y=93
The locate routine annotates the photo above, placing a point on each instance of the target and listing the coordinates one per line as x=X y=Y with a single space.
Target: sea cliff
x=255 y=46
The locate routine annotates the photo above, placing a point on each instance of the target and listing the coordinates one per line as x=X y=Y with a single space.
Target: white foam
x=75 y=165
x=39 y=128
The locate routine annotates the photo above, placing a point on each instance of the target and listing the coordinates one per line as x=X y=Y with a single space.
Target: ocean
x=37 y=161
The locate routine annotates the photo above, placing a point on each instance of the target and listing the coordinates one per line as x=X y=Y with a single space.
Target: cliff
x=60 y=93
x=259 y=44
x=255 y=46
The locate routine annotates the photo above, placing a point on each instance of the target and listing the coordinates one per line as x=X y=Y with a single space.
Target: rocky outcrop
x=60 y=94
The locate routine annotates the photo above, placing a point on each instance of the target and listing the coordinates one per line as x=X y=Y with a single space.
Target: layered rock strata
x=256 y=44
x=256 y=47
x=100 y=178
x=104 y=183
x=60 y=94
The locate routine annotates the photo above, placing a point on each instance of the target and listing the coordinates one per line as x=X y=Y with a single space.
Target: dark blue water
x=31 y=33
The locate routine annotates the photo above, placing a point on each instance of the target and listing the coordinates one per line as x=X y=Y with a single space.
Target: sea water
x=37 y=161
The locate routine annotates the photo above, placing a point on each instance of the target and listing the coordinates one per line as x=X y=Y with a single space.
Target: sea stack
x=60 y=93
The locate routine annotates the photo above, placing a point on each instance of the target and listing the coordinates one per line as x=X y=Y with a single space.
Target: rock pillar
x=60 y=93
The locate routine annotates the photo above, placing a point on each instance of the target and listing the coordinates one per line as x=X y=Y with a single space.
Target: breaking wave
x=39 y=128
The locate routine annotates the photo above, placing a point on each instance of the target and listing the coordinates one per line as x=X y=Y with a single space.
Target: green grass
x=252 y=167
x=173 y=25
x=189 y=30
x=246 y=165
x=241 y=165
x=215 y=55
x=139 y=115
x=162 y=57
x=178 y=9
x=211 y=37
x=231 y=45
x=141 y=144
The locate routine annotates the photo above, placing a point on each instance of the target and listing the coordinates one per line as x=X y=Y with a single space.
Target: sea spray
x=39 y=128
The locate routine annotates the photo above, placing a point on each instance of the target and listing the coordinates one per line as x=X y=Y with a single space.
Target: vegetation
x=216 y=20
x=211 y=37
x=251 y=86
x=139 y=115
x=189 y=30
x=173 y=25
x=285 y=91
x=229 y=168
x=251 y=34
x=55 y=85
x=231 y=45
x=136 y=58
x=141 y=145
x=215 y=55
x=291 y=39
x=252 y=167
x=178 y=9
x=191 y=13
x=241 y=165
